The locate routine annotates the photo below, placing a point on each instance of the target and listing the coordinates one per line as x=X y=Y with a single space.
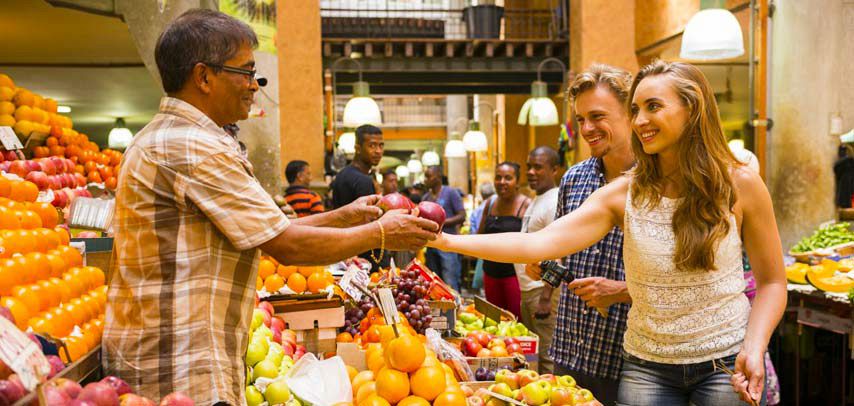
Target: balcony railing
x=442 y=19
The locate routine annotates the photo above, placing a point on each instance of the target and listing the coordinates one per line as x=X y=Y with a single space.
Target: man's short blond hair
x=617 y=80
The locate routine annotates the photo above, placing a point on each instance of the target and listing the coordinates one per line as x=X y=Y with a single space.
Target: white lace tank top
x=677 y=316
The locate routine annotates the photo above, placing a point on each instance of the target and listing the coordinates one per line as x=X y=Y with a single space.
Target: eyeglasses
x=253 y=74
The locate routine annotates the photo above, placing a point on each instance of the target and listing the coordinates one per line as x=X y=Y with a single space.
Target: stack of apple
x=53 y=173
x=468 y=321
x=270 y=355
x=533 y=389
x=109 y=391
x=484 y=345
x=428 y=210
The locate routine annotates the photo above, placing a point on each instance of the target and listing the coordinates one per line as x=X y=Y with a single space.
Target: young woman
x=503 y=214
x=686 y=209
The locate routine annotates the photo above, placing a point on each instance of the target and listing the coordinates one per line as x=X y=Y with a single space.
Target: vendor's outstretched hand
x=360 y=211
x=407 y=231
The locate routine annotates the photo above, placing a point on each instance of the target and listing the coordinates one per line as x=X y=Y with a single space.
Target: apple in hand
x=433 y=212
x=527 y=376
x=394 y=201
x=536 y=393
x=508 y=377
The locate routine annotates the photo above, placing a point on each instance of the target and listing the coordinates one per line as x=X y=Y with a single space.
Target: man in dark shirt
x=354 y=181
x=298 y=195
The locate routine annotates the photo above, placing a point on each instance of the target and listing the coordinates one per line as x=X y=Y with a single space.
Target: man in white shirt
x=538 y=302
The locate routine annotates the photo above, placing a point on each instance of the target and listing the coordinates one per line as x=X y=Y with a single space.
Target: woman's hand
x=749 y=378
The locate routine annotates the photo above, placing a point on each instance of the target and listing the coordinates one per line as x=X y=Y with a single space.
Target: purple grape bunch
x=355 y=314
x=410 y=294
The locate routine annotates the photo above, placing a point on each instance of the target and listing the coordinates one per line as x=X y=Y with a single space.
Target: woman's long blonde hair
x=701 y=219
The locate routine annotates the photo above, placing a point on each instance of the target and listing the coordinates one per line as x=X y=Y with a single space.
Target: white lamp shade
x=414 y=165
x=455 y=149
x=402 y=171
x=119 y=138
x=347 y=142
x=539 y=111
x=362 y=110
x=430 y=158
x=475 y=141
x=712 y=34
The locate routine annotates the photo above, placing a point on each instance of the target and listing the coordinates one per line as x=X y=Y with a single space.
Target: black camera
x=554 y=273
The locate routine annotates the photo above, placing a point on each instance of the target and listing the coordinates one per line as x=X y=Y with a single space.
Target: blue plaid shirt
x=583 y=340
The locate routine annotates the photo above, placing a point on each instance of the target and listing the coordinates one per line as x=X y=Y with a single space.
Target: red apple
x=514 y=349
x=277 y=334
x=549 y=378
x=69 y=179
x=433 y=212
x=278 y=322
x=483 y=338
x=53 y=182
x=81 y=180
x=4 y=166
x=47 y=166
x=10 y=156
x=395 y=201
x=300 y=348
x=267 y=318
x=471 y=347
x=60 y=199
x=32 y=165
x=2 y=157
x=512 y=340
x=287 y=348
x=39 y=178
x=19 y=168
x=508 y=377
x=59 y=163
x=527 y=376
x=268 y=307
x=177 y=399
x=484 y=353
x=495 y=342
x=82 y=193
x=130 y=399
x=69 y=165
x=499 y=351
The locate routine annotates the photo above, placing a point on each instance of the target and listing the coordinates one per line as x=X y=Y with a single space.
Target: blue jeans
x=445 y=264
x=651 y=383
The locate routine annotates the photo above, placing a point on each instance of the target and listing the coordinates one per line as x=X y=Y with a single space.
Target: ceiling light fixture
x=713 y=33
x=120 y=136
x=63 y=109
x=539 y=109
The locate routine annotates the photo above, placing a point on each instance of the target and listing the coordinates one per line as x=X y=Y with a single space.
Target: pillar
x=456 y=107
x=301 y=84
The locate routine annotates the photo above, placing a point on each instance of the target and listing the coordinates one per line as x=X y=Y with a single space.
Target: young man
x=537 y=301
x=298 y=195
x=389 y=184
x=586 y=345
x=191 y=221
x=355 y=181
x=448 y=265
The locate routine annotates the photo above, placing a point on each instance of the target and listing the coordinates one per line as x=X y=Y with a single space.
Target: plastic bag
x=320 y=383
x=446 y=351
x=477 y=281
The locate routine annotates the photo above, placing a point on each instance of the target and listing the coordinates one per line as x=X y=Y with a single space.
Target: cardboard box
x=315 y=322
x=444 y=314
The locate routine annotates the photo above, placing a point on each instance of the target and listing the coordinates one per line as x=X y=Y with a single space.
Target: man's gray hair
x=487 y=190
x=198 y=35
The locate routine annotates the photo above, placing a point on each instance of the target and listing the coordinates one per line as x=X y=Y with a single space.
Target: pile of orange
x=43 y=281
x=402 y=371
x=273 y=276
x=27 y=112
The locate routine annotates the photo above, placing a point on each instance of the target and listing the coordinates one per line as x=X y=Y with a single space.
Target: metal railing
x=442 y=19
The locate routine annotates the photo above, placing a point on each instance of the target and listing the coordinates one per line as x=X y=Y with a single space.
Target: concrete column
x=486 y=160
x=804 y=95
x=146 y=21
x=456 y=107
x=300 y=84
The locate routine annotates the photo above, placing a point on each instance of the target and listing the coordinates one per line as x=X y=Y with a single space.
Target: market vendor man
x=191 y=220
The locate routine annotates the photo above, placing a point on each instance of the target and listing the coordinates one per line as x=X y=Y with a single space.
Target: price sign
x=489 y=310
x=9 y=140
x=22 y=355
x=352 y=280
x=388 y=307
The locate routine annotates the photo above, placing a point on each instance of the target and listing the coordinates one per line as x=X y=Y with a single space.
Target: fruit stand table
x=831 y=312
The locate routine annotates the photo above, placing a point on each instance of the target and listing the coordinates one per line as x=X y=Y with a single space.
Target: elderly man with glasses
x=191 y=220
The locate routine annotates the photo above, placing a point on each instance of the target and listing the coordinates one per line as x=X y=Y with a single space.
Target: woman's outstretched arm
x=600 y=213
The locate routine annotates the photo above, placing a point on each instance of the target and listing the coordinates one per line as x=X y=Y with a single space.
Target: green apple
x=264 y=331
x=507 y=377
x=582 y=396
x=277 y=392
x=264 y=369
x=502 y=389
x=477 y=325
x=253 y=396
x=490 y=322
x=536 y=393
x=275 y=354
x=256 y=351
x=257 y=319
x=519 y=330
x=466 y=317
x=491 y=330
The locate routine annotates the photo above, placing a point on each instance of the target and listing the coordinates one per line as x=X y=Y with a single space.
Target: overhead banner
x=260 y=15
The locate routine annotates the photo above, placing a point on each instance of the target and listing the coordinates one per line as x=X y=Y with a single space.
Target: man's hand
x=404 y=231
x=534 y=271
x=360 y=211
x=600 y=292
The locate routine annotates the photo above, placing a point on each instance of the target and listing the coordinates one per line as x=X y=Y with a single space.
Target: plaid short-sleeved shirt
x=189 y=216
x=584 y=341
